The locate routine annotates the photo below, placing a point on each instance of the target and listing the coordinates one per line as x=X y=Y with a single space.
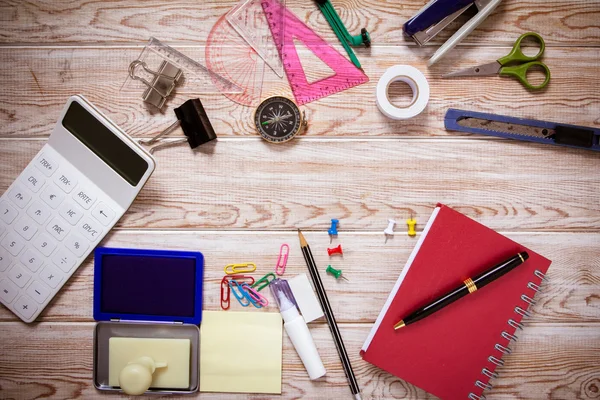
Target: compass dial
x=278 y=119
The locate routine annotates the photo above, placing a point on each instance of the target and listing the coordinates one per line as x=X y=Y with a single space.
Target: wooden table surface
x=240 y=198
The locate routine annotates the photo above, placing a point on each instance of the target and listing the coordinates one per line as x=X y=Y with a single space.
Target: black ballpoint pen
x=470 y=285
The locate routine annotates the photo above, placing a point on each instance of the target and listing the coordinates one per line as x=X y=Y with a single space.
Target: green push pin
x=336 y=272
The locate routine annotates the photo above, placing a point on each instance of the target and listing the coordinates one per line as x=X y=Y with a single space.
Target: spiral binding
x=523 y=312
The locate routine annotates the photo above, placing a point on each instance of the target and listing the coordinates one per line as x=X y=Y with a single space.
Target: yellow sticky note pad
x=240 y=352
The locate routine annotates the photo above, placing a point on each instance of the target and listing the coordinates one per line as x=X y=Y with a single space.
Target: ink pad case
x=147 y=294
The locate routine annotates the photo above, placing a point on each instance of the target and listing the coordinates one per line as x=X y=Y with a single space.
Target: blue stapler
x=437 y=14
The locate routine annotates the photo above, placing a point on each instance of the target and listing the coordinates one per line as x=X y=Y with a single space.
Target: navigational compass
x=278 y=119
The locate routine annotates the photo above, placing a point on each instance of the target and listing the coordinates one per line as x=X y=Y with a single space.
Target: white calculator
x=66 y=200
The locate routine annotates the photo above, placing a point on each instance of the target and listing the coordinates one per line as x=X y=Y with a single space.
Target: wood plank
x=248 y=184
x=188 y=21
x=40 y=80
x=572 y=294
x=550 y=360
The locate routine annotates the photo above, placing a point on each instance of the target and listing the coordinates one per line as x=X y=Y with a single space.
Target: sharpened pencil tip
x=303 y=242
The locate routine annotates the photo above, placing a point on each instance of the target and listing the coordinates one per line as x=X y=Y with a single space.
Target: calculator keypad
x=49 y=221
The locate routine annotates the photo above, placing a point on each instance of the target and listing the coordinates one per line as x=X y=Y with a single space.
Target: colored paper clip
x=240 y=278
x=242 y=294
x=263 y=282
x=225 y=294
x=257 y=299
x=284 y=251
x=243 y=268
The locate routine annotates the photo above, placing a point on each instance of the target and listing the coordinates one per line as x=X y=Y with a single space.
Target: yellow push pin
x=412 y=223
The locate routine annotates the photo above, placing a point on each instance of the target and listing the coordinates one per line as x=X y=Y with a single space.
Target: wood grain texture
x=38 y=82
x=549 y=361
x=188 y=21
x=571 y=295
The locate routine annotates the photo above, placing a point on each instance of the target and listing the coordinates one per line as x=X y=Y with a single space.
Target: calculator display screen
x=104 y=143
x=148 y=285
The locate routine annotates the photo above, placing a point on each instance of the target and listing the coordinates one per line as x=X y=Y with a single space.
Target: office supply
x=159 y=68
x=505 y=66
x=225 y=294
x=278 y=119
x=242 y=268
x=342 y=33
x=193 y=121
x=437 y=14
x=449 y=365
x=418 y=84
x=263 y=282
x=249 y=21
x=125 y=354
x=284 y=252
x=345 y=76
x=163 y=81
x=468 y=286
x=305 y=298
x=411 y=223
x=257 y=299
x=64 y=202
x=389 y=231
x=238 y=293
x=332 y=231
x=230 y=56
x=297 y=330
x=337 y=273
x=335 y=250
x=333 y=328
x=530 y=130
x=227 y=368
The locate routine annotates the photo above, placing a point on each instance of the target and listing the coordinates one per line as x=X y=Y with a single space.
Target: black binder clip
x=162 y=84
x=195 y=125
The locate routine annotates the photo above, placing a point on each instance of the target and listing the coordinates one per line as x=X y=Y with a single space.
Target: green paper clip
x=336 y=272
x=263 y=282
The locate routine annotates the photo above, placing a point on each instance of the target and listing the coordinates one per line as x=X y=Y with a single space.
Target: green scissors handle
x=520 y=71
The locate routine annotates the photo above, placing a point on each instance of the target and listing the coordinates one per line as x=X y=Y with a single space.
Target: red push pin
x=335 y=250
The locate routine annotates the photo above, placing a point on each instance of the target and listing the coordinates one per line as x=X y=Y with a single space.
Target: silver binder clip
x=162 y=84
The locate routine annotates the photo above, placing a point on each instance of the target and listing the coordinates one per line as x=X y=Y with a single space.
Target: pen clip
x=284 y=251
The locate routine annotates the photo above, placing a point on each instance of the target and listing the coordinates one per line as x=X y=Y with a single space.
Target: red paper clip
x=284 y=251
x=335 y=250
x=240 y=278
x=225 y=294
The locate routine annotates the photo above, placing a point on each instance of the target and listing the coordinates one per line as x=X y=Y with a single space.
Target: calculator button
x=57 y=228
x=84 y=197
x=7 y=212
x=103 y=213
x=2 y=229
x=44 y=244
x=52 y=196
x=90 y=229
x=66 y=182
x=38 y=212
x=18 y=275
x=13 y=243
x=25 y=306
x=33 y=179
x=70 y=212
x=38 y=292
x=8 y=291
x=19 y=196
x=46 y=164
x=5 y=259
x=63 y=260
x=26 y=228
x=76 y=244
x=51 y=276
x=31 y=259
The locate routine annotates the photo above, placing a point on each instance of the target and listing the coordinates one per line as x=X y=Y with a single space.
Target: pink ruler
x=290 y=28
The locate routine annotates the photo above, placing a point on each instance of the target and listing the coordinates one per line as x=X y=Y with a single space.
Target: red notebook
x=453 y=353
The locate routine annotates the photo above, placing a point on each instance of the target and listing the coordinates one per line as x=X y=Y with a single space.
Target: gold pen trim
x=470 y=285
x=521 y=257
x=399 y=324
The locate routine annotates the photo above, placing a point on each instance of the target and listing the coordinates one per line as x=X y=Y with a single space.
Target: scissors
x=517 y=71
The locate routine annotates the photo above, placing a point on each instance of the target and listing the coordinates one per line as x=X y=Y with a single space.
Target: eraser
x=305 y=298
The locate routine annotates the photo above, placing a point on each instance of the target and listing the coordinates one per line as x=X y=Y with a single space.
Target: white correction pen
x=297 y=330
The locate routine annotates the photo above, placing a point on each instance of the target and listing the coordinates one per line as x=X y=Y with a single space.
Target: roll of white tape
x=417 y=82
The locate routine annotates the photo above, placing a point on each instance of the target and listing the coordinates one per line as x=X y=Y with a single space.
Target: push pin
x=389 y=231
x=163 y=81
x=335 y=250
x=333 y=229
x=195 y=125
x=411 y=226
x=336 y=272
